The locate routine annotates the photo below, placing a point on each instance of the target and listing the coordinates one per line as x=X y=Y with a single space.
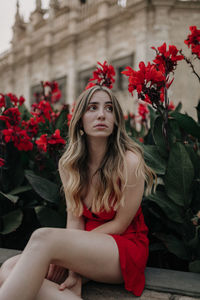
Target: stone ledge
x=161 y=284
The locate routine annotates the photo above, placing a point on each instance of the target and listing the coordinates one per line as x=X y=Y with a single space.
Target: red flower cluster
x=103 y=75
x=148 y=81
x=166 y=60
x=41 y=111
x=13 y=99
x=19 y=138
x=11 y=116
x=55 y=93
x=193 y=41
x=54 y=140
x=143 y=111
x=31 y=127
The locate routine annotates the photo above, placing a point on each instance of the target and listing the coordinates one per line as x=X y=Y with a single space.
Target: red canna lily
x=193 y=41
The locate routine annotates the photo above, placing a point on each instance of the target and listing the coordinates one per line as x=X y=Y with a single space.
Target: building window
x=83 y=79
x=83 y=1
x=121 y=81
x=36 y=90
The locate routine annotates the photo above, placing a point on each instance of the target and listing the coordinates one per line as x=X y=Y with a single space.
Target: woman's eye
x=109 y=108
x=92 y=107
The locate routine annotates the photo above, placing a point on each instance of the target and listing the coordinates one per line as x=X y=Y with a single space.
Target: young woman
x=103 y=175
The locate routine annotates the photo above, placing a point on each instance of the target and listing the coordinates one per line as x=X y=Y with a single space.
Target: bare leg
x=86 y=253
x=48 y=291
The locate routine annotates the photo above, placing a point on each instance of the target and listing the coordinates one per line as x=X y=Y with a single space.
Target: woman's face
x=98 y=120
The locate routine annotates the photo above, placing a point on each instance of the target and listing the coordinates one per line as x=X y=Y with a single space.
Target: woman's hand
x=56 y=273
x=73 y=282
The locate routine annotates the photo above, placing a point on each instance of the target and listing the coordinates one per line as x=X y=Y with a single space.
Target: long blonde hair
x=109 y=192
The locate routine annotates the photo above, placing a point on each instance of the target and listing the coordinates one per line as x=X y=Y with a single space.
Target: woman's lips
x=100 y=126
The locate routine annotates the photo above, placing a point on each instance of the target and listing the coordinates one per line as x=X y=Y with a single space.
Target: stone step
x=161 y=284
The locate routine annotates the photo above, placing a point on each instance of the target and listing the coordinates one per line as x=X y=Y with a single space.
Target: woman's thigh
x=91 y=254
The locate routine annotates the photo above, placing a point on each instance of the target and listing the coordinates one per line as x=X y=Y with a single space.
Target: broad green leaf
x=170 y=209
x=159 y=138
x=11 y=221
x=179 y=175
x=194 y=266
x=174 y=131
x=187 y=123
x=21 y=189
x=10 y=197
x=153 y=159
x=174 y=245
x=49 y=217
x=44 y=188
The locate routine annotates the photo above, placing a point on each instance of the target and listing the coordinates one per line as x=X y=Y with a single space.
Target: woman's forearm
x=111 y=227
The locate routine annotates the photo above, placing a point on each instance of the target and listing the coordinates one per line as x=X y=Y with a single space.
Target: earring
x=81 y=132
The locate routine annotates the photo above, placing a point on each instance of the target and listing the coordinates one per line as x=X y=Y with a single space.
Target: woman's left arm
x=133 y=193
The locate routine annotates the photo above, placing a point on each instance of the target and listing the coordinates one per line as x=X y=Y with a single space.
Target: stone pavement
x=161 y=284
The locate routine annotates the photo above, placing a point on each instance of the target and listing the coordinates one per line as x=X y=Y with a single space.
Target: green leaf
x=10 y=197
x=179 y=175
x=187 y=123
x=198 y=111
x=61 y=120
x=153 y=159
x=49 y=217
x=174 y=245
x=159 y=137
x=178 y=107
x=170 y=209
x=11 y=221
x=153 y=115
x=174 y=131
x=25 y=114
x=21 y=189
x=194 y=266
x=43 y=187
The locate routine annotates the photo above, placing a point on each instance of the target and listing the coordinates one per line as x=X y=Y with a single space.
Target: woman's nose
x=101 y=113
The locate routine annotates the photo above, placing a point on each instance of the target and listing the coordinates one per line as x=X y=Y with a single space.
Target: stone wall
x=72 y=38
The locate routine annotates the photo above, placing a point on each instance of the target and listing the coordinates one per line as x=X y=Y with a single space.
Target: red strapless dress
x=133 y=246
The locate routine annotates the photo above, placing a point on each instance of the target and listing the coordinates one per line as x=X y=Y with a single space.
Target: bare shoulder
x=132 y=160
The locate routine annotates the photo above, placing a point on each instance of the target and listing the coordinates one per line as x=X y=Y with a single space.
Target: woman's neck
x=96 y=148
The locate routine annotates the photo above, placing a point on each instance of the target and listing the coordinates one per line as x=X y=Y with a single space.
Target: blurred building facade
x=65 y=42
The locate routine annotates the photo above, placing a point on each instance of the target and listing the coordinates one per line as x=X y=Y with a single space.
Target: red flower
x=103 y=76
x=9 y=135
x=2 y=100
x=21 y=100
x=193 y=41
x=69 y=117
x=42 y=142
x=171 y=106
x=56 y=138
x=143 y=111
x=141 y=140
x=31 y=127
x=2 y=162
x=11 y=116
x=166 y=60
x=41 y=110
x=55 y=94
x=13 y=98
x=148 y=82
x=19 y=137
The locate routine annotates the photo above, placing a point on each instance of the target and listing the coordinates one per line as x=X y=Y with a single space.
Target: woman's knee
x=7 y=267
x=41 y=234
